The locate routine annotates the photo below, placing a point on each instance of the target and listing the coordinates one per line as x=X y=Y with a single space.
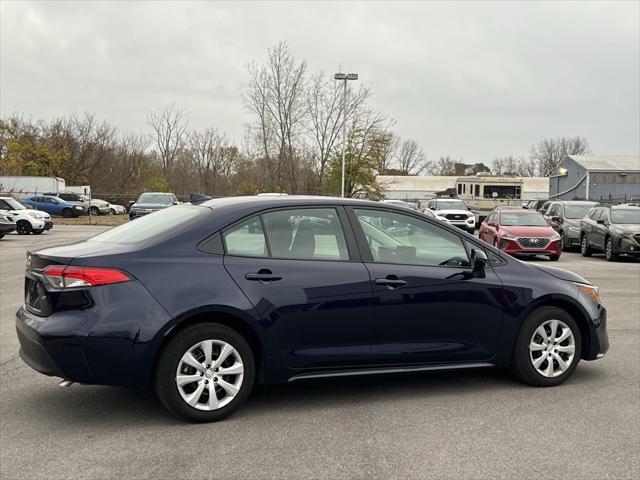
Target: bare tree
x=276 y=96
x=445 y=166
x=325 y=115
x=505 y=165
x=213 y=157
x=169 y=134
x=411 y=159
x=548 y=153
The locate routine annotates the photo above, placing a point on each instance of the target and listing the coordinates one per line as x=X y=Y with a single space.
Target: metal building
x=601 y=178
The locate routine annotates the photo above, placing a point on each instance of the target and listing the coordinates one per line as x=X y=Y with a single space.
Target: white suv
x=27 y=221
x=453 y=210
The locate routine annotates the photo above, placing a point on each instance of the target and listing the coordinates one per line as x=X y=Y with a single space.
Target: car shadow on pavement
x=98 y=406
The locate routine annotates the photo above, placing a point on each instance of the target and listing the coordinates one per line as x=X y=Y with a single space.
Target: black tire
x=554 y=258
x=609 y=254
x=563 y=243
x=38 y=232
x=167 y=364
x=95 y=211
x=1 y=237
x=521 y=364
x=23 y=227
x=585 y=249
x=67 y=213
x=111 y=212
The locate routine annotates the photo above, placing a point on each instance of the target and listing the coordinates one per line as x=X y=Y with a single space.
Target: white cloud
x=469 y=79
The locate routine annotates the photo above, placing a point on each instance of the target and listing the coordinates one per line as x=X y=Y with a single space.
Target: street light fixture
x=344 y=77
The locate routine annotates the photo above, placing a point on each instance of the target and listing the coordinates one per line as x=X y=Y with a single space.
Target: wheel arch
x=232 y=318
x=573 y=308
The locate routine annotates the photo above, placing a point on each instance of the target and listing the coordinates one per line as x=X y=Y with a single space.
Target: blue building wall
x=612 y=187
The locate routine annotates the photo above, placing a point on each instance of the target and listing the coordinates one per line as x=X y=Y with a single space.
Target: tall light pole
x=345 y=77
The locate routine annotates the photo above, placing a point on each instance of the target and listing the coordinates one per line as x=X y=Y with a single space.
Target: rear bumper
x=7 y=228
x=53 y=356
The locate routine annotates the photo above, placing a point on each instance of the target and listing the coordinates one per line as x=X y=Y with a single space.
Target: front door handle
x=390 y=281
x=263 y=275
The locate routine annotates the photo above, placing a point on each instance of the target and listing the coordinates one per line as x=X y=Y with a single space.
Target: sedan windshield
x=532 y=219
x=576 y=211
x=450 y=205
x=14 y=204
x=631 y=215
x=157 y=198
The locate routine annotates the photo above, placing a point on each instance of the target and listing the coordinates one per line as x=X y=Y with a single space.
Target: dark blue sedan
x=53 y=205
x=203 y=301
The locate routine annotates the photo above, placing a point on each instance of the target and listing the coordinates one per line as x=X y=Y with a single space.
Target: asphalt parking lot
x=469 y=424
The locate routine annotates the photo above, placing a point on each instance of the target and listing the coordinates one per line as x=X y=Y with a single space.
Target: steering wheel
x=454 y=262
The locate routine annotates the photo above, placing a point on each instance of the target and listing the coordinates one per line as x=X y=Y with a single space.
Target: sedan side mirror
x=602 y=221
x=479 y=262
x=131 y=202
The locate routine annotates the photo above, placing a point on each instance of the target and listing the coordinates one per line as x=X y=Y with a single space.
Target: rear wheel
x=548 y=348
x=23 y=227
x=608 y=251
x=95 y=211
x=205 y=373
x=585 y=249
x=67 y=213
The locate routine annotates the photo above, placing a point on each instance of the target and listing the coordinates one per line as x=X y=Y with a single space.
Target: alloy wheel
x=552 y=348
x=209 y=375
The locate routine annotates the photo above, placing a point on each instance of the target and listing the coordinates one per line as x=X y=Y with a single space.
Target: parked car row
x=614 y=230
x=25 y=220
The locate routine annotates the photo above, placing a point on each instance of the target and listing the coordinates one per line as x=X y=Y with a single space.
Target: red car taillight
x=60 y=276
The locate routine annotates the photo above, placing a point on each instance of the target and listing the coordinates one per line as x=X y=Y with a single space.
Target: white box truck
x=21 y=187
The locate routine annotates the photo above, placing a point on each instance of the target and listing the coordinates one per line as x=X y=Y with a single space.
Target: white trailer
x=20 y=187
x=80 y=189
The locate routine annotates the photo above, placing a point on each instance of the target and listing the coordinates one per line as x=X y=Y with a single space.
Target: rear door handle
x=390 y=281
x=263 y=275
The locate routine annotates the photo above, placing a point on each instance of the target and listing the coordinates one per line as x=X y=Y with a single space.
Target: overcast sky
x=468 y=79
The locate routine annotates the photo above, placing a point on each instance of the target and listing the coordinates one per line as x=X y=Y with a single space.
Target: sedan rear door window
x=306 y=234
x=246 y=239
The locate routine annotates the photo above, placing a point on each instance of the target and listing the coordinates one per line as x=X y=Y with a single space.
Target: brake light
x=61 y=276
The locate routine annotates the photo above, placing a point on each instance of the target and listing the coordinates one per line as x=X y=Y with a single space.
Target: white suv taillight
x=60 y=276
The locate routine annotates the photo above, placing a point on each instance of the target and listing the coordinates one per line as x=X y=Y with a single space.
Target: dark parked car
x=535 y=205
x=202 y=301
x=612 y=230
x=7 y=225
x=566 y=216
x=53 y=205
x=149 y=202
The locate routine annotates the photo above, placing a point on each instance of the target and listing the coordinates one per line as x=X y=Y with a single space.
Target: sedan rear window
x=151 y=225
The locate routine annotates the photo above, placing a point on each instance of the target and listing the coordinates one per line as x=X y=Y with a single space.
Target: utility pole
x=345 y=77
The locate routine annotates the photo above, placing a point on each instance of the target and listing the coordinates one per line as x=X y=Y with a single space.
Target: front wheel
x=610 y=255
x=67 y=213
x=554 y=258
x=95 y=211
x=585 y=249
x=38 y=232
x=23 y=227
x=205 y=373
x=548 y=348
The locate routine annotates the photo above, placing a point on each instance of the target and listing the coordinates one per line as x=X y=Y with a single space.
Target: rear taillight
x=60 y=276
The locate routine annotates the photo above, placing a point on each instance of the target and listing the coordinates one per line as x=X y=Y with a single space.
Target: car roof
x=293 y=200
x=576 y=202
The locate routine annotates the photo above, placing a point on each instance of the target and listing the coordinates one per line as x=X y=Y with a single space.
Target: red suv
x=521 y=232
